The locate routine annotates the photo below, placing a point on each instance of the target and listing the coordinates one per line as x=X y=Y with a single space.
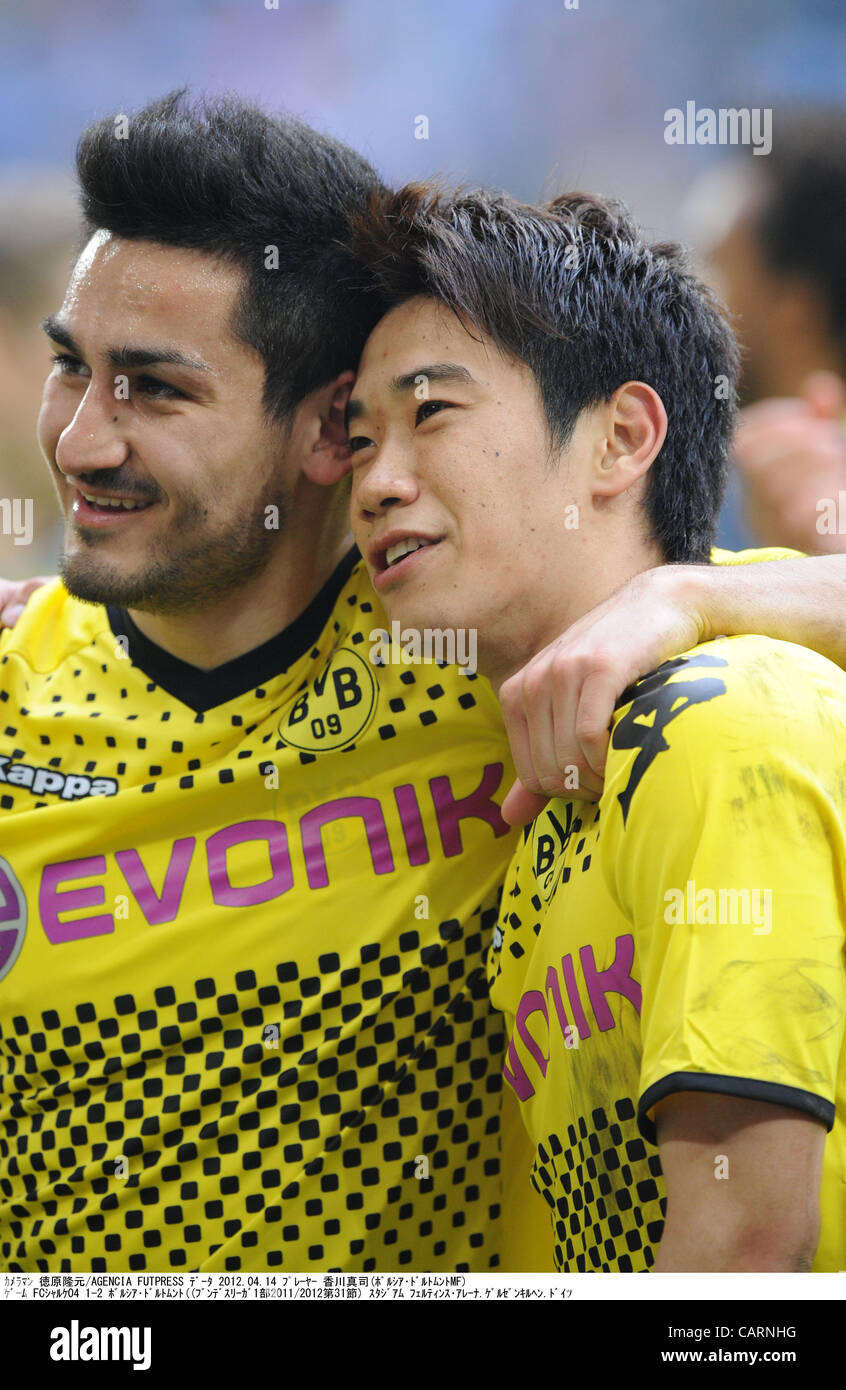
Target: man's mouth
x=124 y=502
x=94 y=509
x=397 y=552
x=391 y=560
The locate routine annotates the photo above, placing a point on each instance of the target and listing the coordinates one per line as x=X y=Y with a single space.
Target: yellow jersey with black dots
x=684 y=934
x=244 y=1021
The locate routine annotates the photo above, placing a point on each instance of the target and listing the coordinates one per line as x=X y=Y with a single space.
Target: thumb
x=825 y=395
x=10 y=614
x=520 y=807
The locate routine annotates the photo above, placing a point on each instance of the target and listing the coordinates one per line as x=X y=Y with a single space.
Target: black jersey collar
x=204 y=690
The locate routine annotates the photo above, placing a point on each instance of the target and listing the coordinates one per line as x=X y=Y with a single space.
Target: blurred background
x=532 y=97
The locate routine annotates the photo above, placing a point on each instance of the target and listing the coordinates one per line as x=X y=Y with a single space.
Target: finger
x=544 y=758
x=577 y=776
x=549 y=701
x=594 y=715
x=10 y=614
x=517 y=730
x=566 y=764
x=520 y=806
x=13 y=597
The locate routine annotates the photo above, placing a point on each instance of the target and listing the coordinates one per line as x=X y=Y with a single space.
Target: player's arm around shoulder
x=724 y=817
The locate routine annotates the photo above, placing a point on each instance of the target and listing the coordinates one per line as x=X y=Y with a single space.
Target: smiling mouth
x=390 y=565
x=86 y=504
x=395 y=554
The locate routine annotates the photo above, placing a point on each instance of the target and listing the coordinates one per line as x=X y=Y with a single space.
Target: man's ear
x=635 y=425
x=327 y=455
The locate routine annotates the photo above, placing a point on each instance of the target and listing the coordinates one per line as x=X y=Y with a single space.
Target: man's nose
x=389 y=481
x=94 y=438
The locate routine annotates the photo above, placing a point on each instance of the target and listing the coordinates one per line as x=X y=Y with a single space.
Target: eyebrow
x=435 y=371
x=125 y=357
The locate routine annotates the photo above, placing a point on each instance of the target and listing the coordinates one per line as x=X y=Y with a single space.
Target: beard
x=195 y=563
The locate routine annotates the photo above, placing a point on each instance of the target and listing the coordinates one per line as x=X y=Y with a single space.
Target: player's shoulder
x=723 y=712
x=733 y=692
x=52 y=627
x=749 y=672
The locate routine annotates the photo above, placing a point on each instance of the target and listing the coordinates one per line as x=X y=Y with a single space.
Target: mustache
x=117 y=480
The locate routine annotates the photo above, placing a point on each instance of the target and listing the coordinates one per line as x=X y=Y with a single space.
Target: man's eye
x=430 y=408
x=149 y=386
x=69 y=366
x=158 y=390
x=359 y=442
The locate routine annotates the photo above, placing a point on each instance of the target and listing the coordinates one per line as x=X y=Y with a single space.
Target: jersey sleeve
x=728 y=857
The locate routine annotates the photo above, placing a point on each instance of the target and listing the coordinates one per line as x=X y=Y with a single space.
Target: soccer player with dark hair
x=244 y=1022
x=670 y=961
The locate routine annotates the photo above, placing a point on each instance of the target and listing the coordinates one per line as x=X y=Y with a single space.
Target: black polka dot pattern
x=273 y=1050
x=602 y=1190
x=261 y=1120
x=576 y=1075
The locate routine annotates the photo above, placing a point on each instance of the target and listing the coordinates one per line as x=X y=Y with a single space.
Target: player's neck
x=572 y=590
x=252 y=615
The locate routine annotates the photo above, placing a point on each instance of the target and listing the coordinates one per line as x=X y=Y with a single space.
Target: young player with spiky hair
x=670 y=961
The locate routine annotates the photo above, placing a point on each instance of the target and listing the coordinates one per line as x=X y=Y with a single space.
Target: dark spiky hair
x=574 y=291
x=222 y=177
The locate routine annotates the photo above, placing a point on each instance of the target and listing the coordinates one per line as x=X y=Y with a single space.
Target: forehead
x=119 y=285
x=423 y=330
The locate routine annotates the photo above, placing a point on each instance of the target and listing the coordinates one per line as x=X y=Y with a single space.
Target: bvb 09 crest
x=335 y=709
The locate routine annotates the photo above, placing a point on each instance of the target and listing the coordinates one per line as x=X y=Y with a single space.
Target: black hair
x=800 y=224
x=574 y=292
x=223 y=177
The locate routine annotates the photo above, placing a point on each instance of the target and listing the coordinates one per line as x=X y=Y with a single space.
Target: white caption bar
x=60 y=1288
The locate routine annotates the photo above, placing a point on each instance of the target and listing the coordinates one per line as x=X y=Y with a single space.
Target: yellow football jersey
x=753 y=557
x=684 y=934
x=244 y=1021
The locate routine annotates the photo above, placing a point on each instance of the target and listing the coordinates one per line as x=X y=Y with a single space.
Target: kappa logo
x=655 y=703
x=77 y=1343
x=46 y=781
